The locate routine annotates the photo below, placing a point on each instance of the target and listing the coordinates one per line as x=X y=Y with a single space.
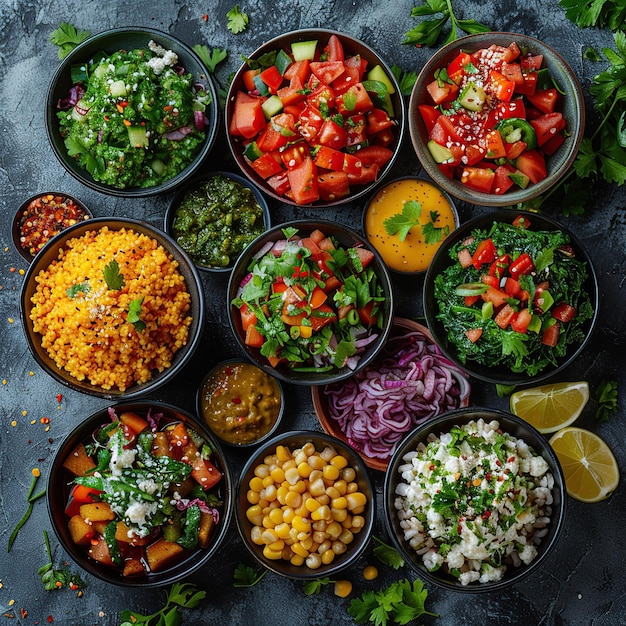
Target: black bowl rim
x=197 y=180
x=482 y=372
x=304 y=225
x=399 y=104
x=16 y=218
x=180 y=570
x=297 y=438
x=564 y=157
x=271 y=432
x=423 y=178
x=82 y=175
x=193 y=286
x=508 y=422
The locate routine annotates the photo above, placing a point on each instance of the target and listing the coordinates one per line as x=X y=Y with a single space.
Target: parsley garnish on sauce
x=401 y=223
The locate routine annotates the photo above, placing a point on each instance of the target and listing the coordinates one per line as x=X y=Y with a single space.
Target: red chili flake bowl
x=42 y=217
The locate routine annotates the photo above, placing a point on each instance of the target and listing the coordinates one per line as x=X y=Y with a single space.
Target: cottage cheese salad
x=474 y=501
x=134 y=118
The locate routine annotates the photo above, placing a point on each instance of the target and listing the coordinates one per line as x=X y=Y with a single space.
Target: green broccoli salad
x=515 y=297
x=134 y=118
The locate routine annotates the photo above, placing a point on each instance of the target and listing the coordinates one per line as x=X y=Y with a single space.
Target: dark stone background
x=582 y=580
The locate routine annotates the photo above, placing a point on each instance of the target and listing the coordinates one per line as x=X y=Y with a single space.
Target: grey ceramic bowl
x=51 y=252
x=58 y=491
x=171 y=211
x=345 y=237
x=572 y=107
x=500 y=374
x=351 y=46
x=512 y=425
x=127 y=39
x=355 y=548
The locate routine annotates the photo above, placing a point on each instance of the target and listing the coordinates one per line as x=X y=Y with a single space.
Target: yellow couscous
x=112 y=309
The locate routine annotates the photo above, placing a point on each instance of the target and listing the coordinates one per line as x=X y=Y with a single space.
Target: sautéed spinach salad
x=515 y=297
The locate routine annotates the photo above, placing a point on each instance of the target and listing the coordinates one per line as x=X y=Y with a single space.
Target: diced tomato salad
x=317 y=128
x=311 y=304
x=493 y=116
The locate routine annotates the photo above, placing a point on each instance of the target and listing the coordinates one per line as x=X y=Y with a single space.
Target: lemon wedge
x=590 y=469
x=550 y=407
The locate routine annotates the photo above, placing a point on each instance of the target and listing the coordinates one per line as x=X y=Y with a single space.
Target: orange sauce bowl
x=435 y=218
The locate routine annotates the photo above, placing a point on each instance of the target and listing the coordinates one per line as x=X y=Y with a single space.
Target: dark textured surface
x=582 y=582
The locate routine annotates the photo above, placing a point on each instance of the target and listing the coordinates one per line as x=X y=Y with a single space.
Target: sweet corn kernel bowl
x=58 y=492
x=295 y=519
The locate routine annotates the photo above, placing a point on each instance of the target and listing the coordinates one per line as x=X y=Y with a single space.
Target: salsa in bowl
x=511 y=297
x=496 y=118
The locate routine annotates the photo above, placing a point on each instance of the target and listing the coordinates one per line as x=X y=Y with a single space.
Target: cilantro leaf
x=606 y=397
x=112 y=276
x=313 y=587
x=134 y=311
x=67 y=38
x=433 y=234
x=429 y=31
x=77 y=288
x=387 y=554
x=211 y=58
x=401 y=223
x=237 y=20
x=600 y=13
x=406 y=80
x=246 y=576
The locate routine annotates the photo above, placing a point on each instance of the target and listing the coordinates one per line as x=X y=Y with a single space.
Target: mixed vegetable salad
x=309 y=303
x=514 y=297
x=145 y=493
x=492 y=118
x=314 y=122
x=133 y=118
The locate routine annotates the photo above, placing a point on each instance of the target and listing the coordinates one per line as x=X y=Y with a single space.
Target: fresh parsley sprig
x=57 y=578
x=428 y=32
x=387 y=554
x=406 y=79
x=246 y=576
x=314 y=587
x=211 y=58
x=67 y=37
x=237 y=20
x=401 y=602
x=599 y=13
x=185 y=595
x=401 y=223
x=112 y=276
x=605 y=396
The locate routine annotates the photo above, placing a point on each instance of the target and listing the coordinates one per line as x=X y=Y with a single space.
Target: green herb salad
x=133 y=118
x=515 y=297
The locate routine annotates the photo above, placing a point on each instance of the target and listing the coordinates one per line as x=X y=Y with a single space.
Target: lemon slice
x=550 y=407
x=590 y=469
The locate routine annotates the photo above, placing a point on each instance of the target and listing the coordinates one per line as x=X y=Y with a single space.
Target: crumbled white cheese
x=164 y=58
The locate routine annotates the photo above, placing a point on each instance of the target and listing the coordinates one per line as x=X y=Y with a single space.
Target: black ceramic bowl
x=351 y=47
x=51 y=252
x=170 y=215
x=59 y=487
x=111 y=41
x=345 y=237
x=442 y=331
x=357 y=540
x=242 y=404
x=43 y=216
x=572 y=107
x=515 y=427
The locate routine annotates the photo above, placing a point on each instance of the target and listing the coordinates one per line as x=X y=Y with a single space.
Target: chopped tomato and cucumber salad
x=314 y=122
x=493 y=117
x=311 y=304
x=514 y=297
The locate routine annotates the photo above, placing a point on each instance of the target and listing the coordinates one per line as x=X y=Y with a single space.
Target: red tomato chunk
x=492 y=118
x=316 y=125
